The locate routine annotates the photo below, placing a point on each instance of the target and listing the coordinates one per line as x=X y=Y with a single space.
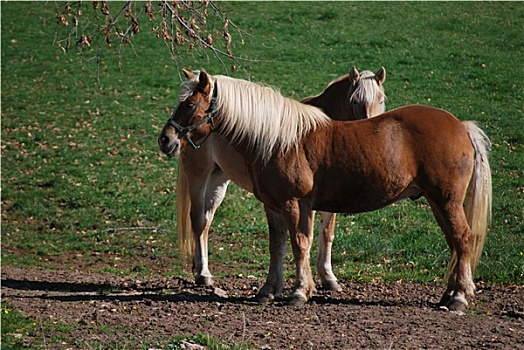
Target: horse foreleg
x=203 y=207
x=452 y=221
x=299 y=218
x=277 y=249
x=326 y=235
x=200 y=263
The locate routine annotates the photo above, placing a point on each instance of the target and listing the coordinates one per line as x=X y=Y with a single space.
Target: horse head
x=192 y=121
x=366 y=94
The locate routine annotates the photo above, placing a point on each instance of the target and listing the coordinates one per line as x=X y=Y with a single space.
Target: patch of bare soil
x=398 y=315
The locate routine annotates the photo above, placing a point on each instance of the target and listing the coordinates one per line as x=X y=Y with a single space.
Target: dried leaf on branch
x=180 y=24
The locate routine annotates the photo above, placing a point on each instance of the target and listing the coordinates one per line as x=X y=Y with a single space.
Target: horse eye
x=190 y=105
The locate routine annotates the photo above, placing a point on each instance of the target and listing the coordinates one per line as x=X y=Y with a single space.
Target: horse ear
x=188 y=74
x=204 y=84
x=354 y=76
x=380 y=76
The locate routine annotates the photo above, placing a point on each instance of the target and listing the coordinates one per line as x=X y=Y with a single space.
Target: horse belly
x=362 y=196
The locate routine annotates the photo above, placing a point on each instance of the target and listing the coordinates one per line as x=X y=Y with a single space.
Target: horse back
x=432 y=136
x=413 y=131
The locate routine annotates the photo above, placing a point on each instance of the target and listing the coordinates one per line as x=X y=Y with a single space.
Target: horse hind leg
x=325 y=242
x=452 y=220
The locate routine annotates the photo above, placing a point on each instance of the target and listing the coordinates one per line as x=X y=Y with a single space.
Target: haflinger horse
x=301 y=160
x=204 y=174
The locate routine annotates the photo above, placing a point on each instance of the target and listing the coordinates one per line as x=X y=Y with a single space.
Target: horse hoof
x=204 y=280
x=454 y=304
x=264 y=295
x=444 y=301
x=332 y=286
x=264 y=299
x=297 y=300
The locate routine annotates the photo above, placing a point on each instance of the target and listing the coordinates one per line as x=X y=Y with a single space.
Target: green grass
x=15 y=327
x=79 y=159
x=19 y=331
x=208 y=342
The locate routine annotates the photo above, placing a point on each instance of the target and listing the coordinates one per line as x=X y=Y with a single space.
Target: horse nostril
x=163 y=140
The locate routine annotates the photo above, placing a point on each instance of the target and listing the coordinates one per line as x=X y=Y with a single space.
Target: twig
x=134 y=228
x=43 y=335
x=243 y=325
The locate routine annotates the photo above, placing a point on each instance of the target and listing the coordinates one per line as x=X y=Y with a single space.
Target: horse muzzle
x=169 y=148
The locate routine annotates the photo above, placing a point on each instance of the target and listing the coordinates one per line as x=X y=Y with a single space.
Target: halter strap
x=208 y=119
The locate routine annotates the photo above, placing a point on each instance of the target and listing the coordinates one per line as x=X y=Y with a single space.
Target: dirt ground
x=395 y=315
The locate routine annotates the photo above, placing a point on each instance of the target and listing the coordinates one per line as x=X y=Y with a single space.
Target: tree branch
x=181 y=24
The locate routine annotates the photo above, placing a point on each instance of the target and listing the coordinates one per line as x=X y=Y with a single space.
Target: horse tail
x=186 y=241
x=477 y=205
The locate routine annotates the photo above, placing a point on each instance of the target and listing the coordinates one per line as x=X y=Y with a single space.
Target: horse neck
x=334 y=100
x=242 y=148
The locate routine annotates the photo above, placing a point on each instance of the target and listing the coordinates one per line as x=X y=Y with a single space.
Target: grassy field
x=80 y=161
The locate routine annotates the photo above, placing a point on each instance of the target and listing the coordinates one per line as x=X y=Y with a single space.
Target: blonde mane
x=367 y=89
x=258 y=114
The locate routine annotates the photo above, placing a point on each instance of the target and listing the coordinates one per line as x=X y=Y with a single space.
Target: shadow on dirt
x=55 y=286
x=74 y=292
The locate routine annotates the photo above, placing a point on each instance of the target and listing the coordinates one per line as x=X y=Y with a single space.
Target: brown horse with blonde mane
x=300 y=160
x=204 y=173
